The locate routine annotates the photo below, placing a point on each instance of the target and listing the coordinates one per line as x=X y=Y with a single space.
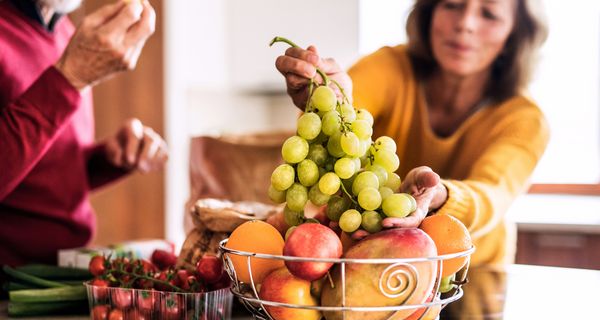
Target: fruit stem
x=311 y=84
x=292 y=44
x=135 y=276
x=341 y=90
x=330 y=279
x=348 y=194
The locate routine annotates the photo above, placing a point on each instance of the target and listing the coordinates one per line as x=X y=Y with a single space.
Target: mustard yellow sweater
x=485 y=163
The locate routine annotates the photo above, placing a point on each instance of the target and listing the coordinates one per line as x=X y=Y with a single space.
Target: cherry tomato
x=172 y=307
x=100 y=288
x=116 y=314
x=100 y=312
x=210 y=268
x=163 y=259
x=146 y=301
x=97 y=265
x=122 y=297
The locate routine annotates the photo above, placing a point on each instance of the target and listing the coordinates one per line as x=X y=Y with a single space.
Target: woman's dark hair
x=512 y=69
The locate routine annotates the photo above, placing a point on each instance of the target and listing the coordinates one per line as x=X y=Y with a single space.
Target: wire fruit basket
x=398 y=277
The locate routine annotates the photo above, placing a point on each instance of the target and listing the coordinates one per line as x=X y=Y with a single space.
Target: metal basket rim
x=224 y=249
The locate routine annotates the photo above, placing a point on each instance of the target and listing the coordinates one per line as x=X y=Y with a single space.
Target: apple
x=311 y=240
x=281 y=286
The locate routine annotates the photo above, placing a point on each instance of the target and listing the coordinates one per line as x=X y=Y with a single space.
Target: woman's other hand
x=137 y=147
x=299 y=65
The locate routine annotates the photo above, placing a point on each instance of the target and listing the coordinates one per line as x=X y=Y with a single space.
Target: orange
x=450 y=236
x=256 y=237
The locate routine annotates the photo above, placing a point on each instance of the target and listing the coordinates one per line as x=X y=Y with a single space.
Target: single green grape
x=308 y=172
x=331 y=122
x=357 y=164
x=363 y=180
x=318 y=154
x=323 y=98
x=350 y=144
x=334 y=145
x=347 y=111
x=385 y=142
x=397 y=205
x=380 y=172
x=294 y=149
x=309 y=125
x=364 y=114
x=289 y=231
x=317 y=197
x=296 y=197
x=387 y=159
x=329 y=183
x=364 y=150
x=413 y=202
x=385 y=192
x=369 y=198
x=276 y=195
x=336 y=206
x=345 y=168
x=362 y=129
x=446 y=283
x=393 y=182
x=371 y=221
x=350 y=220
x=291 y=217
x=283 y=177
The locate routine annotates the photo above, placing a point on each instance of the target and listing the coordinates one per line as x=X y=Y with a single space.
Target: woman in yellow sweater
x=453 y=99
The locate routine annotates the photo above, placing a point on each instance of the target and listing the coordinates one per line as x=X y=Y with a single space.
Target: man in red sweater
x=49 y=162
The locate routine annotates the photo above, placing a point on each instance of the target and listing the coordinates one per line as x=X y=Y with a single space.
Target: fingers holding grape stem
x=332 y=160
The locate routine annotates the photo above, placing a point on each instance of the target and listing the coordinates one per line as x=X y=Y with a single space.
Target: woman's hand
x=138 y=147
x=425 y=186
x=299 y=65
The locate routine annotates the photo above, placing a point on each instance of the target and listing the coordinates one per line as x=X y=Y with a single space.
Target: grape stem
x=292 y=44
x=341 y=90
x=348 y=194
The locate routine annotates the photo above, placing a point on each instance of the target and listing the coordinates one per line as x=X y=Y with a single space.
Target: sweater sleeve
x=100 y=171
x=500 y=174
x=30 y=123
x=373 y=80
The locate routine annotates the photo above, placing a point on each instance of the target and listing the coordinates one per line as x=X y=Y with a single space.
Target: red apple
x=312 y=240
x=281 y=286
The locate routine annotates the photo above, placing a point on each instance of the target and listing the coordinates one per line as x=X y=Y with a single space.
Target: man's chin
x=61 y=6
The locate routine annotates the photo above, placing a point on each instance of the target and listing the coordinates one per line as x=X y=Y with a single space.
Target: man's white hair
x=61 y=6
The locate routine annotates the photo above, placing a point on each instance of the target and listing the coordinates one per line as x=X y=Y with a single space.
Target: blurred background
x=208 y=70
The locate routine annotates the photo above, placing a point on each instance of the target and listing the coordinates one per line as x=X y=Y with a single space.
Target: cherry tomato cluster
x=162 y=291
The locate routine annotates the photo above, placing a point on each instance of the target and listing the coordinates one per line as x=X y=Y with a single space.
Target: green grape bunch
x=332 y=160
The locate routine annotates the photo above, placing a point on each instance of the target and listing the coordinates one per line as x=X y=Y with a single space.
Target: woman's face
x=468 y=35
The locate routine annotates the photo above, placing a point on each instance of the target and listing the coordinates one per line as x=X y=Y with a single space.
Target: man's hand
x=299 y=65
x=137 y=147
x=108 y=41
